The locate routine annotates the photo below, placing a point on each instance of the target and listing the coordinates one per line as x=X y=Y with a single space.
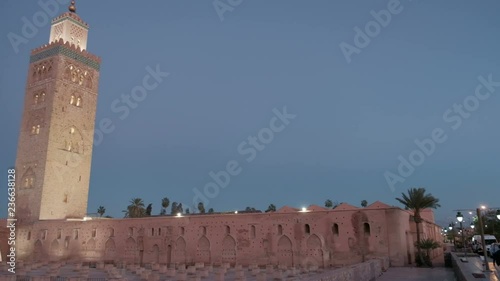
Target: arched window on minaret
x=35 y=99
x=29 y=178
x=73 y=76
x=79 y=101
x=80 y=79
x=72 y=140
x=42 y=97
x=67 y=72
x=72 y=100
x=89 y=82
x=35 y=129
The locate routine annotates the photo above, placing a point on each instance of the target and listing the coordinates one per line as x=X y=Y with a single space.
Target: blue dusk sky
x=360 y=91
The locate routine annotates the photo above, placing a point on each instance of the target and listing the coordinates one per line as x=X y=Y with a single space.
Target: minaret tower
x=55 y=143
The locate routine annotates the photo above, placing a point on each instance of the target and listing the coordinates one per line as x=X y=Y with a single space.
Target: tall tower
x=56 y=137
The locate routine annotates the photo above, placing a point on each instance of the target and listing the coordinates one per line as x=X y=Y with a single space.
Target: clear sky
x=228 y=72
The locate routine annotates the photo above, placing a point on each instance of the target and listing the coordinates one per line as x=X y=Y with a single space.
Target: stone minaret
x=55 y=142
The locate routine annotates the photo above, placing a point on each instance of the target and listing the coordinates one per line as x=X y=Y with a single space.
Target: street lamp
x=498 y=214
x=472 y=225
x=460 y=219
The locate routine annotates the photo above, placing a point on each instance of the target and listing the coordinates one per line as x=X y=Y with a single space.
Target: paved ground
x=417 y=274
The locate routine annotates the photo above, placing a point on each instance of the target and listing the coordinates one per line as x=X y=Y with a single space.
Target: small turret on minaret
x=70 y=28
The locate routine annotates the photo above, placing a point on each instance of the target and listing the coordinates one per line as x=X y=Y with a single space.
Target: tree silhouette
x=364 y=203
x=149 y=209
x=271 y=208
x=211 y=210
x=174 y=208
x=101 y=210
x=187 y=211
x=164 y=205
x=135 y=209
x=328 y=203
x=201 y=208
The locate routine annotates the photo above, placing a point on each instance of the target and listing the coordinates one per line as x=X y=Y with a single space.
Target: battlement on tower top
x=72 y=16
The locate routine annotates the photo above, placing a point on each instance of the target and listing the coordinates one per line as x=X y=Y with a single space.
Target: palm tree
x=164 y=204
x=101 y=210
x=328 y=203
x=428 y=245
x=417 y=200
x=364 y=203
x=136 y=208
x=271 y=208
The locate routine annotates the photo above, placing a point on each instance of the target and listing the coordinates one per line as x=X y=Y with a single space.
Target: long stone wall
x=325 y=238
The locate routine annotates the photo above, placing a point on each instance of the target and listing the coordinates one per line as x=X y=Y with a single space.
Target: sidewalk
x=417 y=274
